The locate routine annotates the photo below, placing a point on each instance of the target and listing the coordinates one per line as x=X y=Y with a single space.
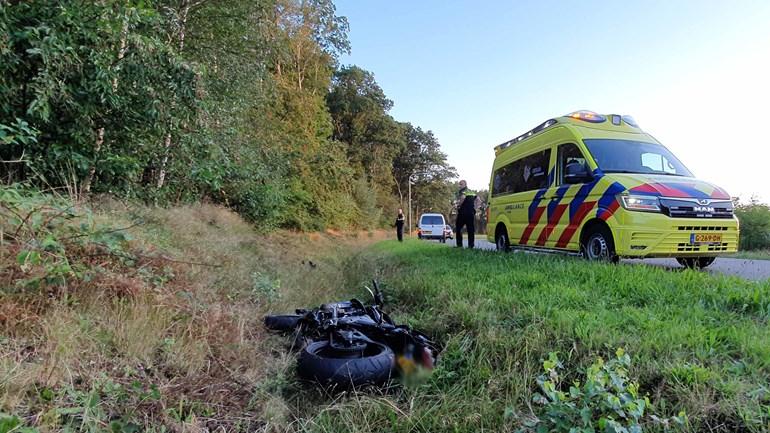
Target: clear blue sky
x=694 y=74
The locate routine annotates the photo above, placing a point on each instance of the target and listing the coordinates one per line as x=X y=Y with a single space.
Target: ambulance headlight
x=642 y=203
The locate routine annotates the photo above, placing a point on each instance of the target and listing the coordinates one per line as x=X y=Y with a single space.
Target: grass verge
x=698 y=343
x=157 y=327
x=128 y=318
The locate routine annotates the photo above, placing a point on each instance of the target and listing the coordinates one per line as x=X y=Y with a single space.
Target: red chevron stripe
x=720 y=194
x=531 y=226
x=659 y=189
x=580 y=215
x=552 y=221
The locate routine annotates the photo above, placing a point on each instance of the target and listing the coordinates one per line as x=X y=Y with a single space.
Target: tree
x=422 y=159
x=359 y=110
x=88 y=78
x=237 y=101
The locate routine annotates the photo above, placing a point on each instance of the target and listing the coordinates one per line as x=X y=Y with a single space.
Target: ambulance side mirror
x=576 y=173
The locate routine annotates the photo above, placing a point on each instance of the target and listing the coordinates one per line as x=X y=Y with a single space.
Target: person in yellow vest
x=467 y=202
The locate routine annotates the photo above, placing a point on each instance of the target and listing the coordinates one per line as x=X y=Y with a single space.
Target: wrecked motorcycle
x=349 y=344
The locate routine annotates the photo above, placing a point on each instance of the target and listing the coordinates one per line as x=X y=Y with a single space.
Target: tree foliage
x=242 y=102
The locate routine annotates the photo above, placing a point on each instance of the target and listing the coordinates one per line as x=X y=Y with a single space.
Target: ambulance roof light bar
x=524 y=136
x=588 y=116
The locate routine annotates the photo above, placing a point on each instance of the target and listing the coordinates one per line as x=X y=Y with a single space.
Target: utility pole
x=409 y=187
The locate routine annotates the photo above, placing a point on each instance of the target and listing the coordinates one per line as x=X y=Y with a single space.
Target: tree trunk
x=86 y=188
x=162 y=172
x=167 y=142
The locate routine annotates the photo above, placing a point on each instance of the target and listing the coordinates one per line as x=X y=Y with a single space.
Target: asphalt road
x=748 y=269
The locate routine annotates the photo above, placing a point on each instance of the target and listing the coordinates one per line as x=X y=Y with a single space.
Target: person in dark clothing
x=400 y=225
x=467 y=202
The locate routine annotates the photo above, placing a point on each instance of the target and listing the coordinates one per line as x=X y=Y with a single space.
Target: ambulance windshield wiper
x=643 y=172
x=666 y=173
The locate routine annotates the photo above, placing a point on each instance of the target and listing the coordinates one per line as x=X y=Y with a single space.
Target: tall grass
x=161 y=331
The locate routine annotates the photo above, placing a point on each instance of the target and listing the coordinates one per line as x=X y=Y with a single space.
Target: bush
x=608 y=401
x=755 y=224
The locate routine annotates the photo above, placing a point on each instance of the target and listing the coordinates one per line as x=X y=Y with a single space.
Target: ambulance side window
x=534 y=171
x=526 y=174
x=505 y=178
x=568 y=154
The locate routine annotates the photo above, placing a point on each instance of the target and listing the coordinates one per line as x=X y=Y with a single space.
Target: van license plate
x=706 y=238
x=427 y=232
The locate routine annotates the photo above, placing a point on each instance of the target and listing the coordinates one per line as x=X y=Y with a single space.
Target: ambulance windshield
x=629 y=156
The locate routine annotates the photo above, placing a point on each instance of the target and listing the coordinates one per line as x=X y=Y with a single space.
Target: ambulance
x=599 y=186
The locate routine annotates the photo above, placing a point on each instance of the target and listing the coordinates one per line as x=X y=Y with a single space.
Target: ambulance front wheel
x=597 y=244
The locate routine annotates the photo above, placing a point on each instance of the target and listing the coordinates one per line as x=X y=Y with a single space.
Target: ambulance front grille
x=699 y=248
x=689 y=208
x=703 y=228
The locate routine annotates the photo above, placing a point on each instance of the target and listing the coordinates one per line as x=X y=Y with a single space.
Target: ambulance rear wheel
x=598 y=245
x=501 y=240
x=695 y=262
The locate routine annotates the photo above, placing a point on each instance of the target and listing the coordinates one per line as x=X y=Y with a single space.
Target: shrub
x=52 y=240
x=755 y=224
x=608 y=400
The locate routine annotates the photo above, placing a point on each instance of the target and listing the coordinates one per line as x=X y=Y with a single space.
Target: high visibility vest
x=467 y=204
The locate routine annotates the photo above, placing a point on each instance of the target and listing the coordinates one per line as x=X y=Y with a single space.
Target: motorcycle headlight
x=642 y=203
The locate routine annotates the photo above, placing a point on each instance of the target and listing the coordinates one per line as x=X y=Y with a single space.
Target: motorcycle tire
x=321 y=363
x=282 y=322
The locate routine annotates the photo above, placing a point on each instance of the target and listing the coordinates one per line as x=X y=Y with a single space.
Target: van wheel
x=695 y=262
x=501 y=241
x=598 y=245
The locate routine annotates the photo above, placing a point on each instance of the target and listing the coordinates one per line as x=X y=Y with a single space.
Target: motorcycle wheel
x=282 y=322
x=324 y=364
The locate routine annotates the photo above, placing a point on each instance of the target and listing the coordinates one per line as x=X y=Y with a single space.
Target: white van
x=431 y=226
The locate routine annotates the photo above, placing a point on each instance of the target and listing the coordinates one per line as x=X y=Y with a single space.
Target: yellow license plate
x=706 y=238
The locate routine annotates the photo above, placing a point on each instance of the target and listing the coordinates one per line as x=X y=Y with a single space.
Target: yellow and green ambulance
x=599 y=186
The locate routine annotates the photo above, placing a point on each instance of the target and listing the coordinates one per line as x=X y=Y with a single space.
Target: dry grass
x=172 y=337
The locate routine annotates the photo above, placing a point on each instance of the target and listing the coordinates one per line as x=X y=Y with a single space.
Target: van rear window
x=432 y=220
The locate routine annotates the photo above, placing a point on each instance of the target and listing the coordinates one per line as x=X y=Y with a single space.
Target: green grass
x=163 y=343
x=698 y=343
x=751 y=255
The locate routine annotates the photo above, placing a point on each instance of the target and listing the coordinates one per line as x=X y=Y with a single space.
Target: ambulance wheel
x=501 y=240
x=695 y=262
x=598 y=245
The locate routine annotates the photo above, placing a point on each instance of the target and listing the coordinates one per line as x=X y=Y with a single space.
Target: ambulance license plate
x=705 y=238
